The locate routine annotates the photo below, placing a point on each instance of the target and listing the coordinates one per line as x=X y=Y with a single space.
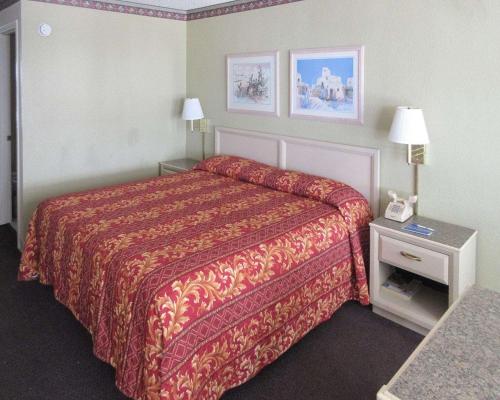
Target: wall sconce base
x=201 y=125
x=416 y=154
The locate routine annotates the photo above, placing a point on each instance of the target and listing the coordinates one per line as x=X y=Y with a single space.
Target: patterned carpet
x=46 y=354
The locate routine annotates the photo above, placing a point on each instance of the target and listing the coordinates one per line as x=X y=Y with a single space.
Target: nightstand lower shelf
x=424 y=309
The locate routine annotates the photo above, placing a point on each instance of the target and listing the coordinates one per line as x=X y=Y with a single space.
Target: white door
x=5 y=170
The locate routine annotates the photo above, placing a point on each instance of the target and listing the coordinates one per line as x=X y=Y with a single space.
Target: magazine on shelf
x=402 y=284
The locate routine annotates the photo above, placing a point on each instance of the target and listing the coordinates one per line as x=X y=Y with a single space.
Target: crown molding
x=122 y=7
x=6 y=3
x=128 y=7
x=234 y=7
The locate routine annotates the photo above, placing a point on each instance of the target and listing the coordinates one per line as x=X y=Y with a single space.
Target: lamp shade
x=408 y=127
x=192 y=110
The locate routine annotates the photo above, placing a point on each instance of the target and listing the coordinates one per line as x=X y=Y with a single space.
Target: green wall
x=101 y=98
x=441 y=56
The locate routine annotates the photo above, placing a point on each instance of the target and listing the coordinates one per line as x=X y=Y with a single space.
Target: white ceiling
x=184 y=5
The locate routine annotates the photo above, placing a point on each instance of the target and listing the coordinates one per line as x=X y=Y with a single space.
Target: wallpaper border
x=6 y=4
x=120 y=8
x=242 y=6
x=159 y=12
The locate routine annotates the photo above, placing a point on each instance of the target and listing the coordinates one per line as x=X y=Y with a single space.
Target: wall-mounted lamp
x=408 y=127
x=192 y=111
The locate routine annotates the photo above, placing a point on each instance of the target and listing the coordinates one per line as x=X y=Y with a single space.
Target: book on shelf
x=403 y=284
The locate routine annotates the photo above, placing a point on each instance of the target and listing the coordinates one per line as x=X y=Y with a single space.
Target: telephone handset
x=399 y=209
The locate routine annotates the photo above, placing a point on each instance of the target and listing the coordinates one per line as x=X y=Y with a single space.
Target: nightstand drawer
x=419 y=260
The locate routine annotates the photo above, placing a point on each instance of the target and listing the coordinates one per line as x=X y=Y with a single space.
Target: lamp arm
x=203 y=145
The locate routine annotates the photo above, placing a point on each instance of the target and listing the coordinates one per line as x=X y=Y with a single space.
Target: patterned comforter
x=191 y=283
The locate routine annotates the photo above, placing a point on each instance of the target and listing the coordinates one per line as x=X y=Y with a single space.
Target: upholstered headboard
x=357 y=166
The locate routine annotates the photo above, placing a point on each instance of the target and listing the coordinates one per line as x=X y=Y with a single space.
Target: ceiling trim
x=127 y=7
x=122 y=7
x=234 y=7
x=6 y=3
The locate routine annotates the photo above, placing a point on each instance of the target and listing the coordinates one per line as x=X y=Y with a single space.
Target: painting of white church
x=327 y=84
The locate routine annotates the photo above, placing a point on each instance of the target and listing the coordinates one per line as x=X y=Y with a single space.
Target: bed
x=191 y=283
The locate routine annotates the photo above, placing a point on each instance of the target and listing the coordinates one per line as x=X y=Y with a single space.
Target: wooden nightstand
x=445 y=261
x=175 y=166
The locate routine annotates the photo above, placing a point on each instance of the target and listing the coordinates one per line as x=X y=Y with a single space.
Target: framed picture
x=253 y=83
x=327 y=84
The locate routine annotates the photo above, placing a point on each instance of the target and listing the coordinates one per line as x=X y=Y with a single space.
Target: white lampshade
x=408 y=127
x=192 y=110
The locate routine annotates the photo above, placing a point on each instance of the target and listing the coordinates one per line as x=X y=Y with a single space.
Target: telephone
x=399 y=209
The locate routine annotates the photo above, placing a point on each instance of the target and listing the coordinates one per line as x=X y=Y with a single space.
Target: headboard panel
x=357 y=166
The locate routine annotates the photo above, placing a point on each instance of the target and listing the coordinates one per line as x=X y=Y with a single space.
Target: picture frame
x=253 y=83
x=327 y=84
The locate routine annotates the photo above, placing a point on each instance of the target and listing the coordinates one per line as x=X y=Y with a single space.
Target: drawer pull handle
x=410 y=256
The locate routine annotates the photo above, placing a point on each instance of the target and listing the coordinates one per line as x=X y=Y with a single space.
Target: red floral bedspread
x=191 y=283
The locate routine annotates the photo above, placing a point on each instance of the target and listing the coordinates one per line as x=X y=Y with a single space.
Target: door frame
x=7 y=29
